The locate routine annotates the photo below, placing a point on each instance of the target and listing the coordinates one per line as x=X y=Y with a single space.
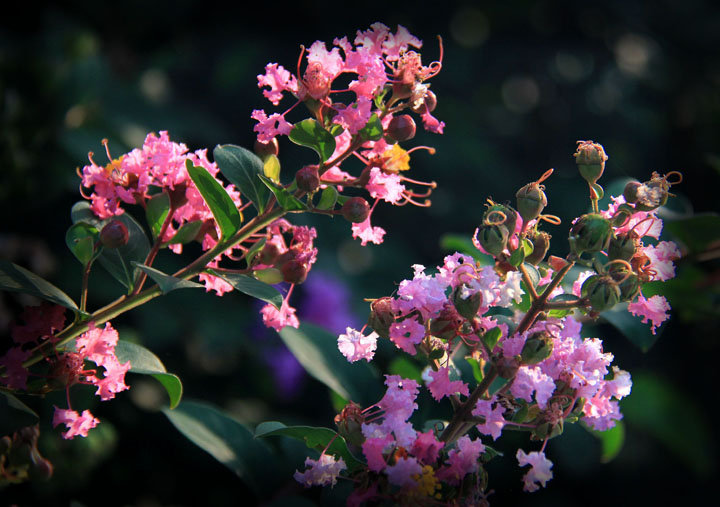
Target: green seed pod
x=537 y=348
x=498 y=214
x=590 y=158
x=590 y=233
x=602 y=292
x=627 y=281
x=631 y=191
x=507 y=367
x=622 y=247
x=541 y=244
x=446 y=324
x=493 y=238
x=468 y=307
x=531 y=200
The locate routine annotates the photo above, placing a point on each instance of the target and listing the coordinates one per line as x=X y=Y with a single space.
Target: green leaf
x=631 y=327
x=696 y=232
x=156 y=211
x=144 y=362
x=271 y=167
x=533 y=273
x=228 y=441
x=518 y=256
x=611 y=441
x=463 y=244
x=242 y=167
x=328 y=198
x=491 y=337
x=373 y=129
x=560 y=313
x=167 y=283
x=187 y=232
x=285 y=199
x=476 y=370
x=317 y=352
x=527 y=246
x=311 y=134
x=314 y=438
x=252 y=287
x=406 y=368
x=657 y=407
x=223 y=208
x=336 y=129
x=598 y=190
x=117 y=261
x=81 y=239
x=14 y=278
x=15 y=414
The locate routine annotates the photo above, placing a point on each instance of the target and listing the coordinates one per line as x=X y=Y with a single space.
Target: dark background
x=521 y=82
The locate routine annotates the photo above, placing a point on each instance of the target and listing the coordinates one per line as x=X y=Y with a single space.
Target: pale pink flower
x=539 y=473
x=269 y=127
x=461 y=461
x=354 y=116
x=401 y=473
x=642 y=223
x=532 y=379
x=373 y=449
x=385 y=186
x=97 y=344
x=577 y=284
x=397 y=43
x=278 y=80
x=278 y=319
x=321 y=472
x=661 y=259
x=441 y=386
x=76 y=424
x=600 y=412
x=426 y=447
x=113 y=380
x=654 y=310
x=494 y=420
x=367 y=233
x=354 y=345
x=406 y=334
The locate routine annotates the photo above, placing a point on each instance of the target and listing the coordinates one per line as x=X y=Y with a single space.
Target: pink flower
x=441 y=386
x=494 y=420
x=401 y=473
x=461 y=461
x=431 y=123
x=654 y=310
x=406 y=334
x=97 y=344
x=397 y=43
x=355 y=116
x=539 y=473
x=323 y=472
x=577 y=284
x=113 y=380
x=215 y=283
x=367 y=233
x=278 y=319
x=426 y=447
x=354 y=345
x=601 y=413
x=661 y=257
x=15 y=375
x=373 y=449
x=77 y=424
x=385 y=186
x=40 y=322
x=529 y=379
x=269 y=127
x=278 y=80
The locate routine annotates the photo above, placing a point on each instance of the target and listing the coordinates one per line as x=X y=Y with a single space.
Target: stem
x=142 y=275
x=456 y=426
x=528 y=282
x=540 y=303
x=84 y=289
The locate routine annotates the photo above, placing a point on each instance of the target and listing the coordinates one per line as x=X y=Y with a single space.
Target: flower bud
x=355 y=210
x=446 y=324
x=652 y=194
x=507 y=367
x=531 y=200
x=541 y=244
x=429 y=101
x=631 y=191
x=308 y=178
x=349 y=423
x=294 y=271
x=548 y=430
x=401 y=128
x=622 y=247
x=498 y=214
x=590 y=159
x=269 y=254
x=537 y=348
x=493 y=238
x=381 y=316
x=262 y=149
x=114 y=234
x=467 y=307
x=602 y=292
x=269 y=276
x=590 y=233
x=627 y=281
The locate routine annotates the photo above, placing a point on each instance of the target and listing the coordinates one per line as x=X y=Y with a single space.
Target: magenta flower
x=653 y=310
x=406 y=334
x=494 y=420
x=539 y=473
x=76 y=424
x=367 y=233
x=355 y=116
x=269 y=127
x=440 y=384
x=15 y=375
x=401 y=473
x=278 y=319
x=278 y=80
x=461 y=461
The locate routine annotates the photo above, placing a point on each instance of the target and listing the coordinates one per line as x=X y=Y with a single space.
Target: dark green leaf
x=406 y=368
x=631 y=326
x=518 y=256
x=463 y=244
x=242 y=167
x=697 y=231
x=285 y=199
x=611 y=441
x=117 y=261
x=373 y=130
x=252 y=287
x=144 y=362
x=491 y=337
x=317 y=352
x=167 y=282
x=14 y=278
x=328 y=198
x=81 y=239
x=657 y=407
x=156 y=212
x=336 y=129
x=223 y=208
x=228 y=441
x=314 y=438
x=271 y=167
x=560 y=313
x=476 y=370
x=533 y=274
x=187 y=232
x=311 y=134
x=15 y=414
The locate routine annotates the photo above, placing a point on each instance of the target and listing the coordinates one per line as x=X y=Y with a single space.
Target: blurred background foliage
x=521 y=82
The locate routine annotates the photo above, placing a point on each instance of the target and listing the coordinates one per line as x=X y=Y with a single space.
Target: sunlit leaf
x=252 y=287
x=611 y=441
x=81 y=239
x=144 y=362
x=311 y=134
x=156 y=211
x=221 y=205
x=188 y=232
x=167 y=282
x=242 y=167
x=285 y=199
